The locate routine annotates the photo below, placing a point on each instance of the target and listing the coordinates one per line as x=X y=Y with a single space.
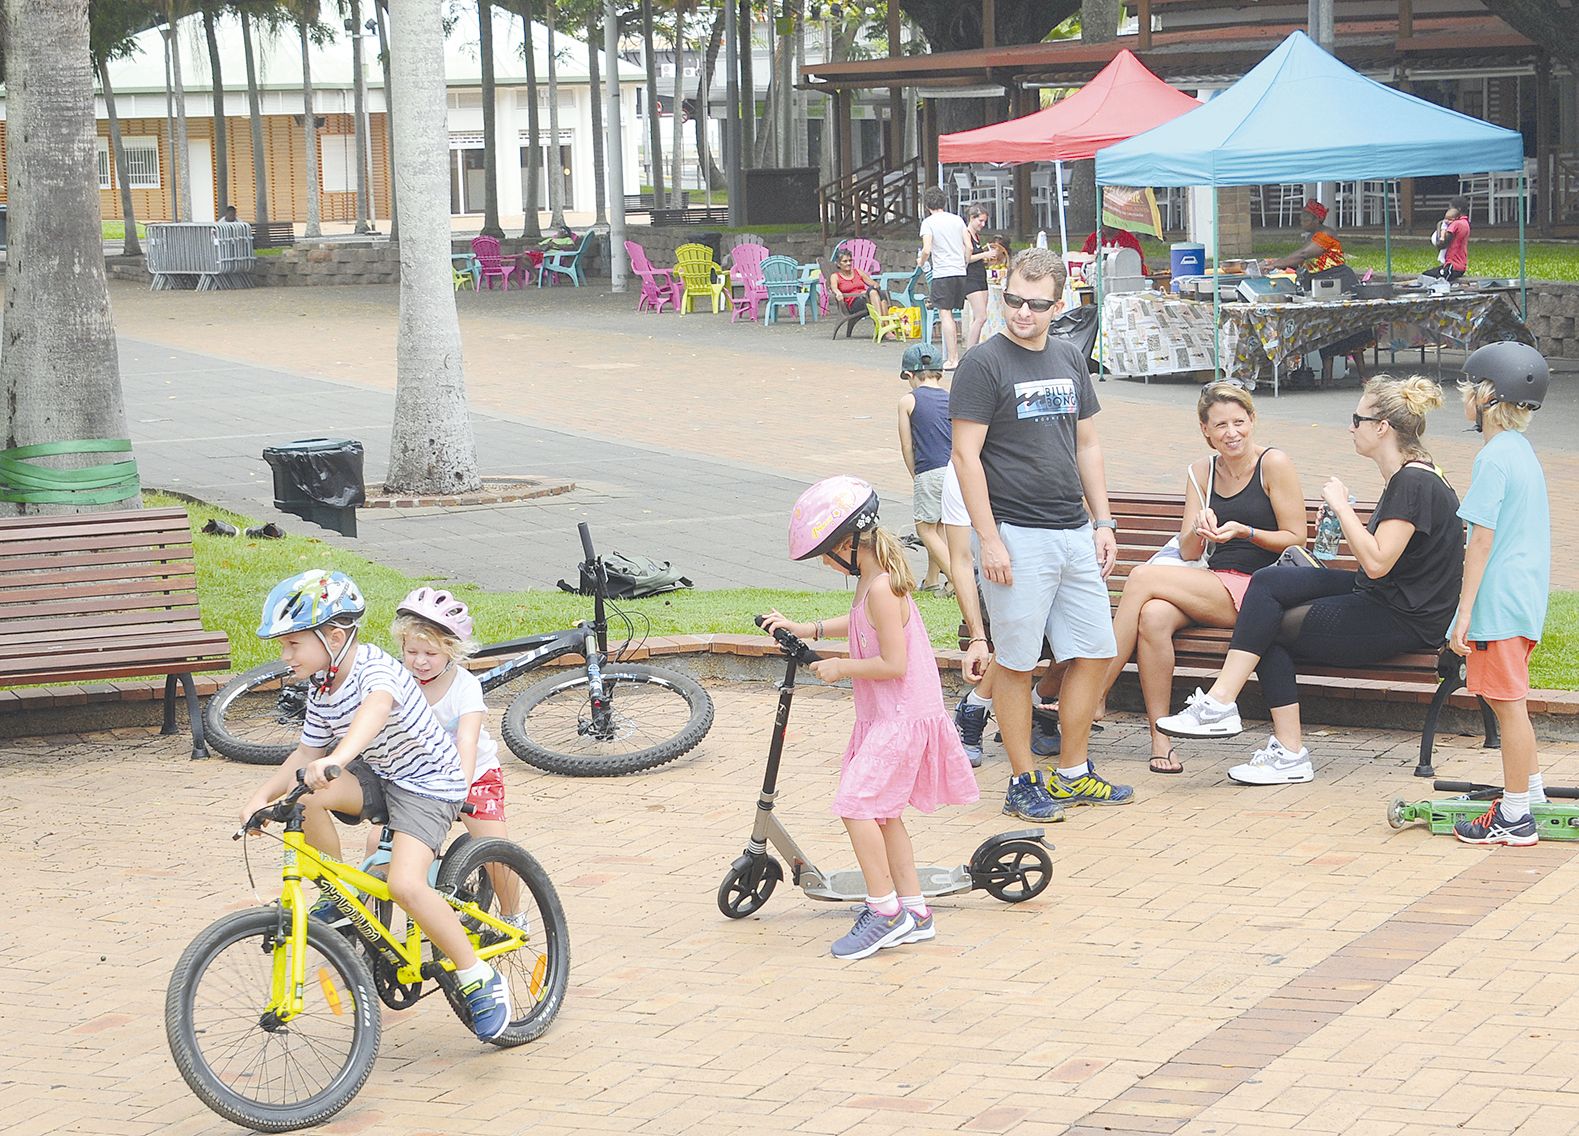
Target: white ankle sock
x=884 y=905
x=1516 y=806
x=974 y=699
x=1537 y=789
x=1074 y=771
x=915 y=904
x=478 y=972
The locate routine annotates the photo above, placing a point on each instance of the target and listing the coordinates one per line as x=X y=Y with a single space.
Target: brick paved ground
x=1211 y=960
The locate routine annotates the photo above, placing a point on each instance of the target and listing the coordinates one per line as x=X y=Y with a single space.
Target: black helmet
x=1517 y=372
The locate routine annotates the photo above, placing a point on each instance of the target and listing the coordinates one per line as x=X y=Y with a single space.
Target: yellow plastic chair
x=702 y=276
x=892 y=323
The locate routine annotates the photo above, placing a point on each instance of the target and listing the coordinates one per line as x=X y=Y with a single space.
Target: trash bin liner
x=317 y=471
x=1079 y=326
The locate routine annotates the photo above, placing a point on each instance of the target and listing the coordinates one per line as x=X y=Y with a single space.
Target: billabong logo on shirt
x=1043 y=398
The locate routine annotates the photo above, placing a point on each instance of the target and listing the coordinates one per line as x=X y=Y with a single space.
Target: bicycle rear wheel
x=506 y=881
x=654 y=715
x=248 y=720
x=267 y=1075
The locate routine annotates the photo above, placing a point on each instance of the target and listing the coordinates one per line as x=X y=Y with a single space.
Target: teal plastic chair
x=781 y=277
x=565 y=262
x=929 y=315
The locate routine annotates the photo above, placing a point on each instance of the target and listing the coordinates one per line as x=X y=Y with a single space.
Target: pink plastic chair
x=495 y=266
x=746 y=271
x=658 y=285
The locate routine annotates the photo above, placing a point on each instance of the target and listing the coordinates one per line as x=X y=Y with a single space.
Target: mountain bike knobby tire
x=539 y=972
x=223 y=722
x=529 y=731
x=338 y=987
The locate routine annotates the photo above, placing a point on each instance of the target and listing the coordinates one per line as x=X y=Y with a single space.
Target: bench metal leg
x=1488 y=720
x=194 y=712
x=1432 y=716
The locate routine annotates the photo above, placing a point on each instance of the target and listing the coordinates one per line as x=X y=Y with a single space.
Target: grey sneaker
x=1202 y=717
x=1274 y=764
x=872 y=932
x=924 y=929
x=521 y=921
x=1028 y=799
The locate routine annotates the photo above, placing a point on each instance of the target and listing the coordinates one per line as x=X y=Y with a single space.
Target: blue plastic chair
x=904 y=288
x=565 y=262
x=929 y=314
x=781 y=277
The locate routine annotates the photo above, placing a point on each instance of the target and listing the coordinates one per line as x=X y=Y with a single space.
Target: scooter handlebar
x=792 y=645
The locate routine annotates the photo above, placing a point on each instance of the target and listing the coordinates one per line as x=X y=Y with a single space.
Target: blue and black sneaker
x=970 y=721
x=488 y=999
x=325 y=911
x=1028 y=799
x=1089 y=788
x=1045 y=739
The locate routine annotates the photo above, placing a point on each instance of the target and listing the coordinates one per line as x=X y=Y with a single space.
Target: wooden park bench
x=273 y=234
x=93 y=596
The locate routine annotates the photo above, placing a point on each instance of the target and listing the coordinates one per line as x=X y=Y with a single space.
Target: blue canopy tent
x=1300 y=115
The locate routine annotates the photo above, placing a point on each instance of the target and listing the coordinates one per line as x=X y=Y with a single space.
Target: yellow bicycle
x=272 y=1017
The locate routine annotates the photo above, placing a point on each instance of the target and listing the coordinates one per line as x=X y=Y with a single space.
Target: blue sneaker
x=924 y=929
x=970 y=721
x=1090 y=788
x=872 y=932
x=326 y=912
x=1029 y=800
x=1494 y=828
x=488 y=999
x=1045 y=738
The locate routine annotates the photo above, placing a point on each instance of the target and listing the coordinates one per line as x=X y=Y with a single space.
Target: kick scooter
x=1556 y=820
x=1012 y=866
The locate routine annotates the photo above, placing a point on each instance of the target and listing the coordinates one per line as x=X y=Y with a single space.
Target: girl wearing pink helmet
x=904 y=750
x=433 y=630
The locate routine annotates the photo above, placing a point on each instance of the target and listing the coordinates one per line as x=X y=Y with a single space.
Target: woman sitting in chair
x=856 y=291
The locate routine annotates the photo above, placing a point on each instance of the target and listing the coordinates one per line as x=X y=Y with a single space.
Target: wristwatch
x=1109 y=523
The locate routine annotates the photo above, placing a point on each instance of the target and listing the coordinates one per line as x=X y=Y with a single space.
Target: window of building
x=142 y=162
x=337 y=172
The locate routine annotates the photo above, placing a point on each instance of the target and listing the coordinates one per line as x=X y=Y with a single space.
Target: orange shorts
x=1499 y=669
x=487 y=797
x=1237 y=583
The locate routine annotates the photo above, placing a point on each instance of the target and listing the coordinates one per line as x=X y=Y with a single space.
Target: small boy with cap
x=926 y=438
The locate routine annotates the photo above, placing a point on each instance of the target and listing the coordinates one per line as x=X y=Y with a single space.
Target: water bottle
x=1329 y=532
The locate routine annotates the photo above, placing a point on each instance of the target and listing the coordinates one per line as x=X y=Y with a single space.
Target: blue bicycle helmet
x=307 y=601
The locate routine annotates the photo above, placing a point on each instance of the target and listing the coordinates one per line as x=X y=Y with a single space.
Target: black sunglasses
x=1015 y=303
x=1358 y=418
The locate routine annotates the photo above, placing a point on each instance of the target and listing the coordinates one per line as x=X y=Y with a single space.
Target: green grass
x=116 y=230
x=234 y=575
x=1556 y=662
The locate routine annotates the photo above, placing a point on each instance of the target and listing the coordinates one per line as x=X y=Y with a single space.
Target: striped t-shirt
x=412 y=750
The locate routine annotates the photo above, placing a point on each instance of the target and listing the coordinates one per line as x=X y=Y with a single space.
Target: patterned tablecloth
x=1150 y=333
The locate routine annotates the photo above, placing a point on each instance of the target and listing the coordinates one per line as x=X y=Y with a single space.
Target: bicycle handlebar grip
x=1461 y=787
x=586 y=540
x=791 y=644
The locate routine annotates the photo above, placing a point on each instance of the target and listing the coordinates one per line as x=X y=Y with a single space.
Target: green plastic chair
x=781 y=276
x=564 y=262
x=703 y=277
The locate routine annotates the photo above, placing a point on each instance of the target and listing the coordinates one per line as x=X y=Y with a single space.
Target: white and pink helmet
x=829 y=511
x=439 y=608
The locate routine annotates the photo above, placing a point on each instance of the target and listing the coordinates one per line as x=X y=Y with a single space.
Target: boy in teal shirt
x=1507 y=575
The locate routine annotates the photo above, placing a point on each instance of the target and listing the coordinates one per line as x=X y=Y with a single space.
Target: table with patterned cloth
x=1260 y=341
x=1154 y=333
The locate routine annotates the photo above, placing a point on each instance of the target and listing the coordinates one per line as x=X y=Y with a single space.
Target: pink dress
x=904 y=750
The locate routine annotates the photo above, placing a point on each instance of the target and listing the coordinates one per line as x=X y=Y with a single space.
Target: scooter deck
x=1552 y=821
x=849 y=886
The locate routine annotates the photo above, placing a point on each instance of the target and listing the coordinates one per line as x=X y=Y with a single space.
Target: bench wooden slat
x=70 y=525
x=86 y=623
x=133 y=578
x=173 y=602
x=62 y=558
x=170 y=543
x=129 y=670
x=195 y=639
x=134 y=591
x=148 y=654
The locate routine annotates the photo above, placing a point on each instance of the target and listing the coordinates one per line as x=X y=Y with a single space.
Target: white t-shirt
x=954 y=511
x=948 y=243
x=462 y=698
x=412 y=750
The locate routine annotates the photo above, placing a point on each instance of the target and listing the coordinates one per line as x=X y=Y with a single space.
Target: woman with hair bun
x=1411 y=558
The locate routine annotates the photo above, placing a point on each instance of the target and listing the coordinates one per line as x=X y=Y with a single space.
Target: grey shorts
x=926 y=499
x=1058 y=592
x=384 y=802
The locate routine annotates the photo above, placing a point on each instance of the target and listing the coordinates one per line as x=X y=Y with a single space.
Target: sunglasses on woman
x=1358 y=418
x=1015 y=303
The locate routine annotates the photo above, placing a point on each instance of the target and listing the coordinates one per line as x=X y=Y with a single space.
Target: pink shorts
x=487 y=797
x=1237 y=583
x=1499 y=669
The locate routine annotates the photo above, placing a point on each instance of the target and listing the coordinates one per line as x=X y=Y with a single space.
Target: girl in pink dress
x=904 y=749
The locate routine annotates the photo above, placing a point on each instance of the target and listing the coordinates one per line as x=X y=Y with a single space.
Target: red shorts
x=1499 y=669
x=1237 y=583
x=487 y=797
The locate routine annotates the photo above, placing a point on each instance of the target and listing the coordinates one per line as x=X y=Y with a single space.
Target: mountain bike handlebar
x=586 y=541
x=792 y=645
x=280 y=810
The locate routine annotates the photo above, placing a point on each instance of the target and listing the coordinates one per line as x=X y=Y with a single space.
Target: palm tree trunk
x=712 y=176
x=221 y=142
x=123 y=176
x=677 y=112
x=183 y=186
x=177 y=158
x=490 y=130
x=364 y=210
x=59 y=375
x=260 y=171
x=379 y=8
x=532 y=228
x=432 y=448
x=654 y=127
x=599 y=178
x=310 y=131
x=556 y=163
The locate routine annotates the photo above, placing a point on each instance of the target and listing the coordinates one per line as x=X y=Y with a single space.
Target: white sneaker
x=1202 y=717
x=1276 y=764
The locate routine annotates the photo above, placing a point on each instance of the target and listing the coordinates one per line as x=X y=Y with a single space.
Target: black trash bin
x=320 y=480
x=714 y=241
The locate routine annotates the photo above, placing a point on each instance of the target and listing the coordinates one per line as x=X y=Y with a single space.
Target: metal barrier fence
x=204 y=255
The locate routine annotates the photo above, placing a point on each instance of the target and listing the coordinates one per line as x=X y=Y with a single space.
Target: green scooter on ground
x=1558 y=819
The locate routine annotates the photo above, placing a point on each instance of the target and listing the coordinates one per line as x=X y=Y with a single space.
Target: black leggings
x=1313 y=615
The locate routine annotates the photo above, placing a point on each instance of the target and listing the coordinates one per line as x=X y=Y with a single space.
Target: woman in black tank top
x=1253 y=511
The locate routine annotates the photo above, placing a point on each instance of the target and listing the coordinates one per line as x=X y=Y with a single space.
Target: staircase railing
x=873 y=198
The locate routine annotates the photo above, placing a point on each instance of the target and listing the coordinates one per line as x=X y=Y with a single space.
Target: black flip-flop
x=1169 y=756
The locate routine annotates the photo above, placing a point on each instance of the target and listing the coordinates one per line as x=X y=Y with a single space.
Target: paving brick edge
x=43 y=710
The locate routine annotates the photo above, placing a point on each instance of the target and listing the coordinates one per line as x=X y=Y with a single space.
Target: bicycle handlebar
x=1555 y=792
x=586 y=541
x=792 y=646
x=280 y=810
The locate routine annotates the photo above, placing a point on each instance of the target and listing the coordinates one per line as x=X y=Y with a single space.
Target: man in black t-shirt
x=1029 y=461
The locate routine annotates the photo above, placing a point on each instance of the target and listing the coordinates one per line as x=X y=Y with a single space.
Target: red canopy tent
x=1124 y=99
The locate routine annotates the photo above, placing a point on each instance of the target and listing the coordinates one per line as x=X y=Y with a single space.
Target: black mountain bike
x=600 y=718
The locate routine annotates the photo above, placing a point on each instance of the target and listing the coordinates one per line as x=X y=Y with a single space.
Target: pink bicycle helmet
x=829 y=511
x=440 y=608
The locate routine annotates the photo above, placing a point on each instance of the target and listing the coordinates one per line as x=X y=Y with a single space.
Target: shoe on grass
x=1274 y=764
x=1202 y=717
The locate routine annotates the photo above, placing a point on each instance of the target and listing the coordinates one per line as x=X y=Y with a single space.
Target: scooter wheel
x=1395 y=813
x=1019 y=870
x=748 y=885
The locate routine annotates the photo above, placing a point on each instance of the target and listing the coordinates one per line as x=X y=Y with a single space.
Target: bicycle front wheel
x=257 y=716
x=653 y=715
x=244 y=1064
